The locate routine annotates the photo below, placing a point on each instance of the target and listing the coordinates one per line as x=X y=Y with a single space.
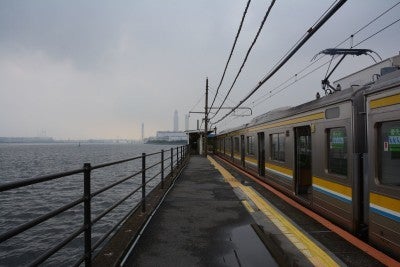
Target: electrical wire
x=381 y=30
x=287 y=86
x=247 y=55
x=195 y=105
x=369 y=37
x=310 y=32
x=300 y=43
x=269 y=94
x=372 y=21
x=219 y=98
x=231 y=53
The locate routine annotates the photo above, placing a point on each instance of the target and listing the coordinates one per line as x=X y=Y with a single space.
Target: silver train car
x=338 y=155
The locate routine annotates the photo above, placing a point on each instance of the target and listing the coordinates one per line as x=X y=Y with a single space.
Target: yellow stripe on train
x=385 y=101
x=252 y=160
x=335 y=190
x=385 y=202
x=311 y=117
x=280 y=169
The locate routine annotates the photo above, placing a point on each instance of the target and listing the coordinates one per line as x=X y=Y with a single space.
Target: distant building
x=171 y=136
x=176 y=126
x=164 y=137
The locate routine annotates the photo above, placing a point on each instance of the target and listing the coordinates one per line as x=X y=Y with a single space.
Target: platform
x=216 y=216
x=201 y=222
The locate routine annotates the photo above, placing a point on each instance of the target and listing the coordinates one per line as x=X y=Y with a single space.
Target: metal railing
x=167 y=163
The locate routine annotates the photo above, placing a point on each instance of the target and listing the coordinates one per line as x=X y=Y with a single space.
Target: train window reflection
x=278 y=146
x=250 y=145
x=337 y=151
x=389 y=152
x=236 y=146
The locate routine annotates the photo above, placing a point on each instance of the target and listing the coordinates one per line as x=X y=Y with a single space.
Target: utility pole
x=206 y=120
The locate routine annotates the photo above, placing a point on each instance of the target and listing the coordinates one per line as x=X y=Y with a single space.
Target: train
x=338 y=155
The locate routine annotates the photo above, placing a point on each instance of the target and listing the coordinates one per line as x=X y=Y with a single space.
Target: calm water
x=21 y=161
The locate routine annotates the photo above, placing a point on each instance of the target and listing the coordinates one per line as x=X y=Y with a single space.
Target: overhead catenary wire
x=381 y=30
x=310 y=32
x=231 y=53
x=297 y=77
x=247 y=55
x=269 y=94
x=219 y=98
x=195 y=105
x=294 y=45
x=372 y=21
x=287 y=86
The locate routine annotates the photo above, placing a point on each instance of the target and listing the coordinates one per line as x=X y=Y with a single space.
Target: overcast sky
x=98 y=69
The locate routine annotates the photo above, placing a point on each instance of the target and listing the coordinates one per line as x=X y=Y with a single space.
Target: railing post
x=87 y=214
x=143 y=182
x=177 y=157
x=162 y=168
x=172 y=162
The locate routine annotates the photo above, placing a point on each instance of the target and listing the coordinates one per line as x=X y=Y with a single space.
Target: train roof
x=308 y=106
x=283 y=112
x=388 y=80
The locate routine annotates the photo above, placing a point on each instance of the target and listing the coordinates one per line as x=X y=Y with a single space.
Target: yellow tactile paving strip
x=312 y=251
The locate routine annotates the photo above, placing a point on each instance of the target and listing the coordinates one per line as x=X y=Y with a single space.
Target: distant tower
x=176 y=121
x=142 y=131
x=186 y=122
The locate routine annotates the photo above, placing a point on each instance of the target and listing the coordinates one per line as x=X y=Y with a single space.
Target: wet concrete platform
x=200 y=223
x=343 y=252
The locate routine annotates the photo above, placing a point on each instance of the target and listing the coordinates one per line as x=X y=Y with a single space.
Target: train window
x=228 y=144
x=236 y=147
x=389 y=152
x=250 y=145
x=337 y=151
x=278 y=146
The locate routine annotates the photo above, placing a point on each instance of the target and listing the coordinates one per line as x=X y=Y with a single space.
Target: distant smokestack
x=142 y=131
x=176 y=128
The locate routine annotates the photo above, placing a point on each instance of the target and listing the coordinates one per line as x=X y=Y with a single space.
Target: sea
x=18 y=206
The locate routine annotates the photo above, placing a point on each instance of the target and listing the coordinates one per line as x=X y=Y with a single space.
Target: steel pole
x=87 y=214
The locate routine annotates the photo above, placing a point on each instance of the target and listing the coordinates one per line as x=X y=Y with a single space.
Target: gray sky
x=98 y=69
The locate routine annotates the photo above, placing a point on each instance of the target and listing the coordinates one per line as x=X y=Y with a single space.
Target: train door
x=261 y=154
x=303 y=180
x=242 y=150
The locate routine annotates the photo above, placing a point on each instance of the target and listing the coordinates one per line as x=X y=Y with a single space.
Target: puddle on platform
x=249 y=250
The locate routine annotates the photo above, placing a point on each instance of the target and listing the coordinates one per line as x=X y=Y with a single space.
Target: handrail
x=38 y=220
x=170 y=160
x=114 y=184
x=152 y=166
x=114 y=163
x=105 y=212
x=60 y=245
x=35 y=180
